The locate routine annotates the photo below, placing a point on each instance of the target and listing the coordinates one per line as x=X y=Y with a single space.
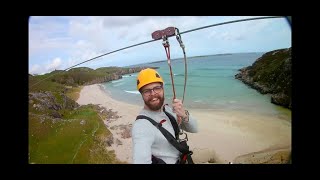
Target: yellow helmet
x=147 y=76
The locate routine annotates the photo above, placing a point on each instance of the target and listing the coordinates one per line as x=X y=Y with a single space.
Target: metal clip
x=165 y=41
x=185 y=138
x=178 y=36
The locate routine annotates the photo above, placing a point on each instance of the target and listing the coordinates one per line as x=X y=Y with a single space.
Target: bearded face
x=153 y=96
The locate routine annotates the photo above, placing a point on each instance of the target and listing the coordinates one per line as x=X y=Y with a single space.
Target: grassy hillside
x=83 y=76
x=271 y=74
x=61 y=131
x=79 y=137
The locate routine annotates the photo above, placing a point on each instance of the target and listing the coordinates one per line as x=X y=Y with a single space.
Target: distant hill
x=84 y=69
x=80 y=76
x=190 y=57
x=271 y=73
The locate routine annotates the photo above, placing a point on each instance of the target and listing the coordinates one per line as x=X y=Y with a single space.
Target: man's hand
x=178 y=108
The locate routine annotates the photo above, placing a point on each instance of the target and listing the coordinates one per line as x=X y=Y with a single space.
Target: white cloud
x=122 y=21
x=54 y=64
x=35 y=69
x=76 y=39
x=45 y=68
x=47 y=34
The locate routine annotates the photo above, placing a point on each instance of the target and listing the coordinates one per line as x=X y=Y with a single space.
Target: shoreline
x=223 y=135
x=95 y=94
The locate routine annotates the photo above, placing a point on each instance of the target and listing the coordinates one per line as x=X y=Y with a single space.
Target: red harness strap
x=162 y=121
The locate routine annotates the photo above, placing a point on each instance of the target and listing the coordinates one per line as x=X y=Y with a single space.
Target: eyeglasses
x=156 y=90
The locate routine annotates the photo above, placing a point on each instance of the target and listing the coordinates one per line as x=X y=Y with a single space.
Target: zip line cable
x=229 y=22
x=95 y=58
x=196 y=29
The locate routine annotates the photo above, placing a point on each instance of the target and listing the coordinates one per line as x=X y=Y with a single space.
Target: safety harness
x=179 y=144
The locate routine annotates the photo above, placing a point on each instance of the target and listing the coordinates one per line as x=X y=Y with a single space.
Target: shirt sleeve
x=142 y=139
x=190 y=126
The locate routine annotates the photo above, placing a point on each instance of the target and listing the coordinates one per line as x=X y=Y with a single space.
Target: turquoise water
x=210 y=84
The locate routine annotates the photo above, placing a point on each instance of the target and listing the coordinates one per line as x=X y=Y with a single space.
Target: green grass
x=73 y=77
x=74 y=93
x=273 y=70
x=37 y=83
x=67 y=141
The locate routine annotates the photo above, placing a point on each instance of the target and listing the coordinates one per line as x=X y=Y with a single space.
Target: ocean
x=211 y=85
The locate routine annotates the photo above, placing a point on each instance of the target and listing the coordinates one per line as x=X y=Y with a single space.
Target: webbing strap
x=182 y=148
x=173 y=122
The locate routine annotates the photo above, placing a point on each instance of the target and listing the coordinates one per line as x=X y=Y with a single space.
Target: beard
x=155 y=105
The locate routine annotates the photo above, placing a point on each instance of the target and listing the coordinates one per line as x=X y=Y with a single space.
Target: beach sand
x=223 y=137
x=94 y=94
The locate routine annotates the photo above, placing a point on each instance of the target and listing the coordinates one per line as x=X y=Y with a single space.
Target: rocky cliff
x=271 y=73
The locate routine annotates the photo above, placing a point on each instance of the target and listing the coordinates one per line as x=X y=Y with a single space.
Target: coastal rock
x=118 y=142
x=271 y=74
x=110 y=140
x=46 y=100
x=126 y=132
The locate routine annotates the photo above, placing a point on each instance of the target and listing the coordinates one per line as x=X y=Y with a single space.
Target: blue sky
x=58 y=42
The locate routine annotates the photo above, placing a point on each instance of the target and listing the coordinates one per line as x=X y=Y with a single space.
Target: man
x=148 y=141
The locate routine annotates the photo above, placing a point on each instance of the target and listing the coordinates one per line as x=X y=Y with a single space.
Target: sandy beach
x=223 y=135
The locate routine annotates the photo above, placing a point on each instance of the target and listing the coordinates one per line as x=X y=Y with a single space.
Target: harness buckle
x=183 y=139
x=165 y=41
